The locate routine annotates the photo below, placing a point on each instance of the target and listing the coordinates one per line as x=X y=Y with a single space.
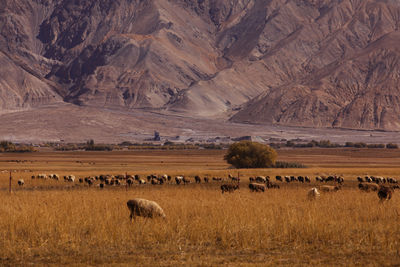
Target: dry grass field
x=59 y=223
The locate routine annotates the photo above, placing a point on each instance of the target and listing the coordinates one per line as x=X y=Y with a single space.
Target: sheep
x=178 y=180
x=90 y=182
x=218 y=179
x=307 y=179
x=272 y=185
x=197 y=179
x=261 y=179
x=229 y=188
x=206 y=179
x=329 y=188
x=236 y=179
x=368 y=187
x=129 y=181
x=251 y=179
x=313 y=194
x=385 y=193
x=144 y=208
x=71 y=178
x=185 y=181
x=21 y=182
x=142 y=181
x=287 y=179
x=360 y=179
x=255 y=187
x=278 y=178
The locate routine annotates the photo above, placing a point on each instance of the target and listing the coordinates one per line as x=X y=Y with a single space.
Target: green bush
x=247 y=154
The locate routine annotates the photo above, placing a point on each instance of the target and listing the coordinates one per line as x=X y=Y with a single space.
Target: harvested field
x=56 y=222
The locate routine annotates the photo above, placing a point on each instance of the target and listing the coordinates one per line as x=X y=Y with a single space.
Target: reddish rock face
x=314 y=63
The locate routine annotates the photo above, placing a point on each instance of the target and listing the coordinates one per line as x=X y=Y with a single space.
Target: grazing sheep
x=142 y=181
x=71 y=178
x=307 y=179
x=197 y=179
x=129 y=181
x=185 y=181
x=252 y=179
x=278 y=178
x=261 y=179
x=287 y=179
x=21 y=182
x=236 y=179
x=144 y=208
x=255 y=187
x=329 y=188
x=178 y=180
x=272 y=185
x=360 y=179
x=218 y=179
x=101 y=185
x=229 y=188
x=313 y=194
x=385 y=193
x=368 y=187
x=206 y=179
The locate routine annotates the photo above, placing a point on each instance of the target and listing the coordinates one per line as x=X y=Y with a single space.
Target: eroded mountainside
x=314 y=63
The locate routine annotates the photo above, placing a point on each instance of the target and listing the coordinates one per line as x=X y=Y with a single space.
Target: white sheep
x=313 y=194
x=144 y=208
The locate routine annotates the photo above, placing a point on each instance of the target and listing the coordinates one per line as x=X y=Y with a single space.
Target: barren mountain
x=314 y=63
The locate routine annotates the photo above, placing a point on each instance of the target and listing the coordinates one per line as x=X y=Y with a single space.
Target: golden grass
x=280 y=227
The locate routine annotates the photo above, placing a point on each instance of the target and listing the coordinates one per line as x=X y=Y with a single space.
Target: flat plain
x=47 y=222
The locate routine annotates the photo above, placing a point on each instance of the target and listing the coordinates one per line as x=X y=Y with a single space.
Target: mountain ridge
x=312 y=63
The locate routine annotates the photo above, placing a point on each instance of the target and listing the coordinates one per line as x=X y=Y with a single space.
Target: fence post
x=10 y=183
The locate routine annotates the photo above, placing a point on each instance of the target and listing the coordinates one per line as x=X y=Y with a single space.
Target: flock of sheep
x=146 y=208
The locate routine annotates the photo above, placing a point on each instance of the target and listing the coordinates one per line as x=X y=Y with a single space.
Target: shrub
x=392 y=146
x=376 y=146
x=360 y=145
x=285 y=165
x=248 y=154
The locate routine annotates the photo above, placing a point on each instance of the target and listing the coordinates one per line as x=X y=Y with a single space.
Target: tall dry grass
x=203 y=226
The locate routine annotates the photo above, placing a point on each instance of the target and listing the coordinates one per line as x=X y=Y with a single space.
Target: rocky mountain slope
x=314 y=63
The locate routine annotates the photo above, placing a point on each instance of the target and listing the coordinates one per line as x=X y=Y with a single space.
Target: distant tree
x=248 y=154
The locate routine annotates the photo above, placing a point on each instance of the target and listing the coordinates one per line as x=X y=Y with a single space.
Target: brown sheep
x=197 y=179
x=368 y=187
x=129 y=181
x=385 y=193
x=272 y=185
x=329 y=188
x=255 y=187
x=229 y=188
x=144 y=208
